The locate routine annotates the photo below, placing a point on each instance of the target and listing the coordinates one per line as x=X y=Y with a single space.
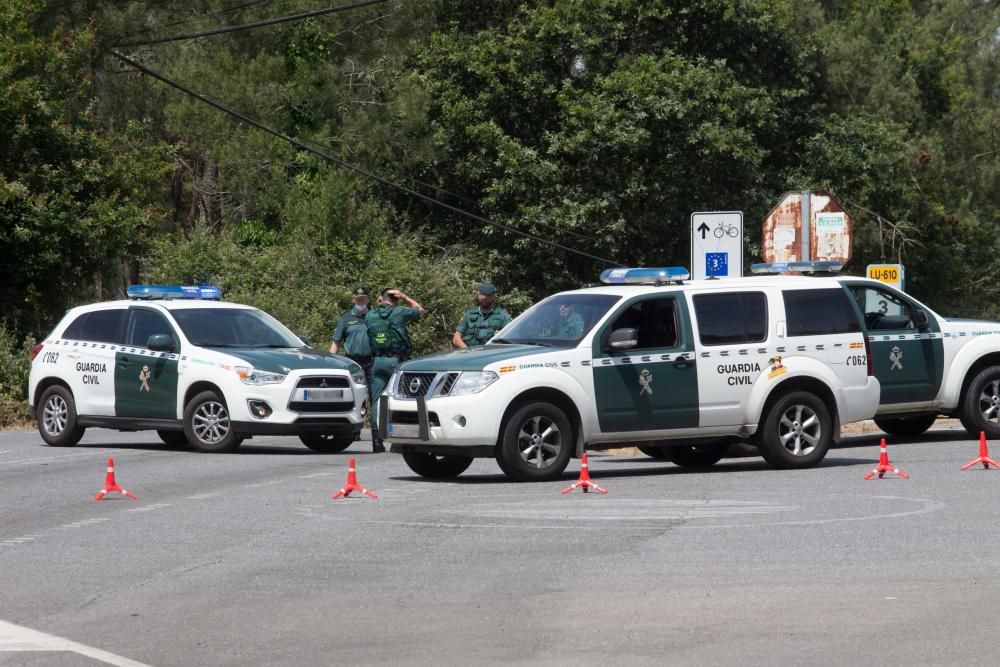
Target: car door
x=908 y=359
x=654 y=385
x=89 y=344
x=146 y=381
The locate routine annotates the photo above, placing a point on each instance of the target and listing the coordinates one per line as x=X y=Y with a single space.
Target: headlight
x=253 y=376
x=358 y=375
x=473 y=382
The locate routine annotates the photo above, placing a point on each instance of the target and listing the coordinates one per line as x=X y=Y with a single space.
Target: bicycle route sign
x=716 y=244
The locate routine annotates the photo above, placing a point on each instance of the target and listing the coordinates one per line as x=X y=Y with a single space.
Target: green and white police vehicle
x=197 y=370
x=685 y=368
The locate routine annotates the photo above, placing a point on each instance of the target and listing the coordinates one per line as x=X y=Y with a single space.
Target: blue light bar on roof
x=174 y=292
x=644 y=276
x=798 y=267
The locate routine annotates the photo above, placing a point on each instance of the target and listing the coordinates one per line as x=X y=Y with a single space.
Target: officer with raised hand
x=390 y=344
x=479 y=324
x=352 y=333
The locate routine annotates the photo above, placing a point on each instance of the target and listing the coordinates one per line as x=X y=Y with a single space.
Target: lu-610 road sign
x=716 y=244
x=890 y=274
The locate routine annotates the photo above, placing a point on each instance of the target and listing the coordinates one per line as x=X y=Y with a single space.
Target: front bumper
x=449 y=421
x=336 y=426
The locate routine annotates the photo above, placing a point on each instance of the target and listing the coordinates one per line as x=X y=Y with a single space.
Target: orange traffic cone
x=352 y=484
x=584 y=480
x=884 y=466
x=111 y=485
x=984 y=455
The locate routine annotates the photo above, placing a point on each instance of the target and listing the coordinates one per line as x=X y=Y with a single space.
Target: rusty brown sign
x=808 y=226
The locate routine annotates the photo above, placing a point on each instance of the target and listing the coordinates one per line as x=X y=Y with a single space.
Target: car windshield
x=233 y=327
x=559 y=321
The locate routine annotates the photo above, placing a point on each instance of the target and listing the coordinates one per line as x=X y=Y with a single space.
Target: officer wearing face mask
x=352 y=333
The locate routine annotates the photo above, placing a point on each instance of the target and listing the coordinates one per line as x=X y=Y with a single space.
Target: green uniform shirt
x=354 y=332
x=570 y=327
x=476 y=327
x=398 y=317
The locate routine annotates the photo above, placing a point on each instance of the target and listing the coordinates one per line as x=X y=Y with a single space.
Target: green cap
x=487 y=288
x=361 y=290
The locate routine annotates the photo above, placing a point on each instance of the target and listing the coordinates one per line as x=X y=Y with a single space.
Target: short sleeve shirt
x=354 y=332
x=399 y=317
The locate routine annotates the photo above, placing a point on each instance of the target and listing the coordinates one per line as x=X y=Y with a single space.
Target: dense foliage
x=597 y=124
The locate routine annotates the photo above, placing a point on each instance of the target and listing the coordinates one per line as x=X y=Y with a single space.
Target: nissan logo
x=414 y=385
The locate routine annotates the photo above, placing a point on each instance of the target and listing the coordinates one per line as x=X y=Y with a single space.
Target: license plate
x=403 y=430
x=322 y=394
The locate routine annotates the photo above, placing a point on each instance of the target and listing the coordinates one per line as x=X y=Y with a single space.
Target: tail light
x=35 y=350
x=868 y=356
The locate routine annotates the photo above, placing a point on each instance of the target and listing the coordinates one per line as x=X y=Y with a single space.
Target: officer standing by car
x=352 y=333
x=479 y=324
x=390 y=344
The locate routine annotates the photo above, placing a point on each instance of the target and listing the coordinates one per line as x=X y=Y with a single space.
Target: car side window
x=100 y=326
x=882 y=310
x=729 y=319
x=817 y=312
x=144 y=323
x=655 y=321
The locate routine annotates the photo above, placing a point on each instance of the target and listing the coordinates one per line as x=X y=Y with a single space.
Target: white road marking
x=203 y=496
x=6 y=451
x=102 y=454
x=15 y=638
x=150 y=508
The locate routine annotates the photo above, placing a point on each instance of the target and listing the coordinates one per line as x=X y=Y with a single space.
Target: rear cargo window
x=728 y=319
x=817 y=312
x=99 y=326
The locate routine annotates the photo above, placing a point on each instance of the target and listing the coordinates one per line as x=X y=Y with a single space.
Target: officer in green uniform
x=479 y=324
x=390 y=344
x=352 y=333
x=570 y=322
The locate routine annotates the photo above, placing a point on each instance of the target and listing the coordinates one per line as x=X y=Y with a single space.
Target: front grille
x=324 y=381
x=403 y=417
x=412 y=385
x=316 y=406
x=447 y=383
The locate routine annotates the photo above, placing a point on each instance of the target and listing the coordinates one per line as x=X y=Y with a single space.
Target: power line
x=347 y=165
x=174 y=24
x=257 y=24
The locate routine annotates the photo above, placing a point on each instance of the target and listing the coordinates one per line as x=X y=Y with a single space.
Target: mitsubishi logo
x=323 y=383
x=414 y=385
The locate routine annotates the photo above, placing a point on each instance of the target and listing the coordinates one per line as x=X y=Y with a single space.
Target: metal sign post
x=716 y=244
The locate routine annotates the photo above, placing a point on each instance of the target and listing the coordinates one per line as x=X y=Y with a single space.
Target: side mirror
x=160 y=343
x=623 y=339
x=922 y=320
x=304 y=339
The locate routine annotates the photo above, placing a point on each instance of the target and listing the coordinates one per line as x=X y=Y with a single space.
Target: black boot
x=377 y=445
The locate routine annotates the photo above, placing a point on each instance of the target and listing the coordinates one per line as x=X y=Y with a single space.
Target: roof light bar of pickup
x=174 y=292
x=798 y=267
x=644 y=276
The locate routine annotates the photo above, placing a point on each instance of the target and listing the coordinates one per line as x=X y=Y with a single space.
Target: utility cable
x=347 y=165
x=174 y=24
x=257 y=24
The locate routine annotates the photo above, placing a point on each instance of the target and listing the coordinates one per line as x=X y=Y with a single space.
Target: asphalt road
x=244 y=559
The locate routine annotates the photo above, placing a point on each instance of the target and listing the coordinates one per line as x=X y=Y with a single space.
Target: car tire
x=436 y=466
x=536 y=443
x=173 y=438
x=659 y=453
x=981 y=404
x=325 y=443
x=207 y=424
x=796 y=432
x=57 y=417
x=906 y=426
x=697 y=456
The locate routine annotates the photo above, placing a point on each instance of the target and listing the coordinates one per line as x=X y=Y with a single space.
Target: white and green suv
x=684 y=368
x=198 y=371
